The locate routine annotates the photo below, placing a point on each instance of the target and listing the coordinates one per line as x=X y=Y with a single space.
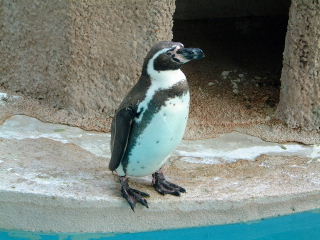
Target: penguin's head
x=165 y=56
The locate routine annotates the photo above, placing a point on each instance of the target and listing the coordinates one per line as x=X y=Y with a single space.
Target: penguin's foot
x=132 y=195
x=163 y=187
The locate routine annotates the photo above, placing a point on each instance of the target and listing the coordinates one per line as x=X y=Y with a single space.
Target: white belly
x=159 y=138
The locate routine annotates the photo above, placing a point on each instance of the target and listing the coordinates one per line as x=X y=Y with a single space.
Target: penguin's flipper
x=121 y=128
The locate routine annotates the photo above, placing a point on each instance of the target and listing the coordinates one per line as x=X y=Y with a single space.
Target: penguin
x=151 y=120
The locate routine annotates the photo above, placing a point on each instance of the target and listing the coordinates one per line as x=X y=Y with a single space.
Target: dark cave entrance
x=238 y=82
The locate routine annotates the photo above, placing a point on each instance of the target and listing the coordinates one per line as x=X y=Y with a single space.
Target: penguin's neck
x=159 y=80
x=163 y=79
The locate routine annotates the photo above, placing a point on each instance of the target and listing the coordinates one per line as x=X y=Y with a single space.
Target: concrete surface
x=55 y=178
x=299 y=104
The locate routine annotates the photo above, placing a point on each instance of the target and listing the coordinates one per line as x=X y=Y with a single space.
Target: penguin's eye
x=175 y=59
x=170 y=51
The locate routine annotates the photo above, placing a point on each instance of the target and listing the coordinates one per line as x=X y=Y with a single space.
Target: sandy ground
x=236 y=87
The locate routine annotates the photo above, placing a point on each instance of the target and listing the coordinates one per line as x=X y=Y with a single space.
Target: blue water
x=292 y=227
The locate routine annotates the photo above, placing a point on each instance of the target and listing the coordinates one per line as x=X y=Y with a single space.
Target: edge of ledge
x=36 y=212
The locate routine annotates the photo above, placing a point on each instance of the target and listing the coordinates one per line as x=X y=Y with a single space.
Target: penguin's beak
x=188 y=54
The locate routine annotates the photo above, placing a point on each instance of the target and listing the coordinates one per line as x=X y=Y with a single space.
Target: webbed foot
x=163 y=187
x=132 y=195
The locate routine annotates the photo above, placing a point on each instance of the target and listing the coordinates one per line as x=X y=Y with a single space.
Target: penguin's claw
x=132 y=195
x=138 y=196
x=162 y=190
x=180 y=189
x=143 y=194
x=125 y=194
x=163 y=187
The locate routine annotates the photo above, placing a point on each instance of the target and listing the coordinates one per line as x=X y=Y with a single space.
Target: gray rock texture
x=81 y=55
x=300 y=81
x=34 y=49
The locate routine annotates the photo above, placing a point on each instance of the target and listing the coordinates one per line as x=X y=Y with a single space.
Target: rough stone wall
x=34 y=48
x=109 y=42
x=299 y=104
x=81 y=55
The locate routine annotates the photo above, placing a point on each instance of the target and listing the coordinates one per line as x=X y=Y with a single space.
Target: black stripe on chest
x=158 y=100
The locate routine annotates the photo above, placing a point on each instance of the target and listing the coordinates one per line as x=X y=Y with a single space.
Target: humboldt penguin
x=151 y=120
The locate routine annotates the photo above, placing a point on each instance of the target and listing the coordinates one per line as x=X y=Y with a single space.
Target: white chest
x=160 y=137
x=160 y=81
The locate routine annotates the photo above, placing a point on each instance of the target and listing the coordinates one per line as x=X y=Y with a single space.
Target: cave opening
x=238 y=82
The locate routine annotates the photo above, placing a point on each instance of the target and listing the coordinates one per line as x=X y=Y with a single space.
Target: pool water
x=292 y=227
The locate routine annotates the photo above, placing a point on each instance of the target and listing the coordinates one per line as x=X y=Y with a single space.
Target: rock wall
x=299 y=104
x=81 y=55
x=35 y=49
